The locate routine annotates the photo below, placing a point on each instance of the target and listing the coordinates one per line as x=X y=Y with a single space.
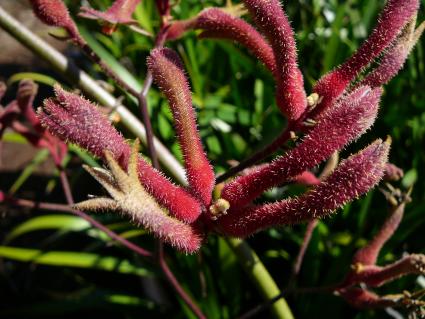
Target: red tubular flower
x=290 y=94
x=25 y=97
x=369 y=254
x=216 y=23
x=168 y=74
x=54 y=13
x=352 y=178
x=129 y=197
x=3 y=89
x=391 y=21
x=375 y=276
x=341 y=125
x=393 y=60
x=120 y=12
x=73 y=118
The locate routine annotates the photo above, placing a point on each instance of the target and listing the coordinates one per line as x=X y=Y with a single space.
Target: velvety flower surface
x=352 y=178
x=341 y=125
x=271 y=19
x=167 y=71
x=54 y=13
x=130 y=198
x=75 y=119
x=395 y=15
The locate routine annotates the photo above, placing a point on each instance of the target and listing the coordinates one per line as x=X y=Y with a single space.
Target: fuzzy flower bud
x=352 y=178
x=27 y=91
x=73 y=118
x=391 y=21
x=271 y=19
x=394 y=59
x=168 y=74
x=54 y=13
x=131 y=198
x=341 y=125
x=216 y=23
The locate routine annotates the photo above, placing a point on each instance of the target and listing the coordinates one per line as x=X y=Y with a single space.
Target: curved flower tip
x=216 y=23
x=271 y=19
x=54 y=13
x=178 y=28
x=368 y=255
x=168 y=74
x=340 y=126
x=395 y=15
x=352 y=178
x=75 y=119
x=393 y=60
x=130 y=198
x=119 y=13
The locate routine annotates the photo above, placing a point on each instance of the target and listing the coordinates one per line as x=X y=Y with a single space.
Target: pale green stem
x=90 y=87
x=247 y=257
x=260 y=277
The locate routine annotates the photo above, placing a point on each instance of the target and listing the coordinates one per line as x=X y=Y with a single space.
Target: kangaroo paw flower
x=393 y=60
x=391 y=21
x=368 y=255
x=130 y=198
x=167 y=71
x=216 y=23
x=352 y=178
x=375 y=276
x=55 y=13
x=73 y=118
x=271 y=19
x=341 y=125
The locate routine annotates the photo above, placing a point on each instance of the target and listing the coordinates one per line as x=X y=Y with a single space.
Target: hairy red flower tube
x=168 y=73
x=73 y=118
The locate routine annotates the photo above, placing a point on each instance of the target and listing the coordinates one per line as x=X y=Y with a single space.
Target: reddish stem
x=306 y=241
x=92 y=221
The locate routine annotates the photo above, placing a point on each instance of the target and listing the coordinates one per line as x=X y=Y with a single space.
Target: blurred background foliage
x=81 y=272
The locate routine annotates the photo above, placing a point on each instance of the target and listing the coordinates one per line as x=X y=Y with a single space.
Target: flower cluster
x=343 y=106
x=19 y=116
x=342 y=112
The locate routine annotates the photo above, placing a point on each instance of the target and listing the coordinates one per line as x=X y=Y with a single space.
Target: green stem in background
x=260 y=277
x=68 y=69
x=248 y=258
